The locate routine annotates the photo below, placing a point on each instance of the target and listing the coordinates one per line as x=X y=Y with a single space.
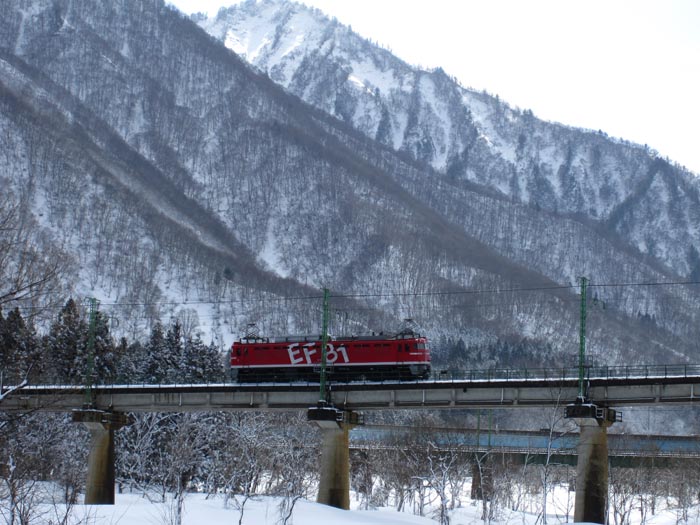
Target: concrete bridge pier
x=592 y=472
x=335 y=425
x=99 y=487
x=591 y=503
x=334 y=486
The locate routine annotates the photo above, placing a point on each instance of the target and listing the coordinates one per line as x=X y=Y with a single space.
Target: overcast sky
x=628 y=67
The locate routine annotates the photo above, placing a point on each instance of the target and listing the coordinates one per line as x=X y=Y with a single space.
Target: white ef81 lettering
x=301 y=354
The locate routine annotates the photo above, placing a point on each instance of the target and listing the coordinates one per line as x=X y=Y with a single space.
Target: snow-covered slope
x=178 y=178
x=468 y=135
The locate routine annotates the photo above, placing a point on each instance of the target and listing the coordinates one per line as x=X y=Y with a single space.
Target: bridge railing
x=454 y=375
x=568 y=373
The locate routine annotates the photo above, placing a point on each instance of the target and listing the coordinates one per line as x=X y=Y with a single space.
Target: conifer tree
x=19 y=353
x=152 y=370
x=128 y=360
x=201 y=363
x=66 y=343
x=173 y=358
x=105 y=359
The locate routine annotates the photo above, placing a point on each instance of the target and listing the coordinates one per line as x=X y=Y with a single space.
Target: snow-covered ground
x=133 y=509
x=199 y=509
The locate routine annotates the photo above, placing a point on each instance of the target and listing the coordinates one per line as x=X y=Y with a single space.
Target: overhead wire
x=381 y=295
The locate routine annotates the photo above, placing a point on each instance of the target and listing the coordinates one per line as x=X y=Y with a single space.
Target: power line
x=662 y=283
x=453 y=292
x=382 y=295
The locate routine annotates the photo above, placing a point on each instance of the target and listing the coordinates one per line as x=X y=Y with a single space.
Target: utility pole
x=99 y=485
x=335 y=425
x=593 y=421
x=582 y=341
x=93 y=304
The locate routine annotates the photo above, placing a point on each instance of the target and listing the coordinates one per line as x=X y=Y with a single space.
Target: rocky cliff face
x=176 y=177
x=464 y=135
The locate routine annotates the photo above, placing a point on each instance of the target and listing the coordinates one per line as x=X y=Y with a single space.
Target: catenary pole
x=582 y=340
x=323 y=394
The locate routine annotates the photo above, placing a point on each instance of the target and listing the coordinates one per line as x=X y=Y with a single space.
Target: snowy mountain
x=174 y=177
x=466 y=135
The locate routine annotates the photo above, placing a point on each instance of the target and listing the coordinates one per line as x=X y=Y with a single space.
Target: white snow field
x=134 y=509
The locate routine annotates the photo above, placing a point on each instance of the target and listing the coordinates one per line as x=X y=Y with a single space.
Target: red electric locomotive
x=298 y=358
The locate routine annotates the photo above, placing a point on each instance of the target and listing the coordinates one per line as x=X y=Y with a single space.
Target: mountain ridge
x=299 y=199
x=547 y=165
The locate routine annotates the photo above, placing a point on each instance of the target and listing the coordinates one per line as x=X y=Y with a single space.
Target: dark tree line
x=62 y=354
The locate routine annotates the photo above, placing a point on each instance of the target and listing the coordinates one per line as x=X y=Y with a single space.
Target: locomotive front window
x=420 y=346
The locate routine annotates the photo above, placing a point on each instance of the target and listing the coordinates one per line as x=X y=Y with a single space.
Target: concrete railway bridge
x=105 y=408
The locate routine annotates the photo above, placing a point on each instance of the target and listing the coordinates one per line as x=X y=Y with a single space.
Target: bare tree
x=29 y=269
x=189 y=322
x=624 y=494
x=482 y=484
x=555 y=423
x=684 y=485
x=440 y=464
x=295 y=461
x=362 y=476
x=31 y=450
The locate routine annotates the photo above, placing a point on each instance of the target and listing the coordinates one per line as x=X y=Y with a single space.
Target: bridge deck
x=435 y=393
